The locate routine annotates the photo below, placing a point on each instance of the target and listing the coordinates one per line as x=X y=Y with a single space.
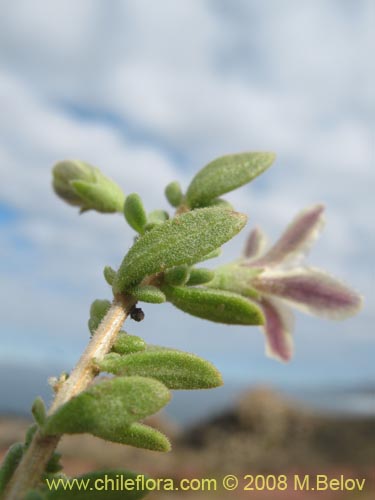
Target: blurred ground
x=263 y=434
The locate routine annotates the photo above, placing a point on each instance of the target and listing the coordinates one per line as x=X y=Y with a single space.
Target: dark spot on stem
x=137 y=314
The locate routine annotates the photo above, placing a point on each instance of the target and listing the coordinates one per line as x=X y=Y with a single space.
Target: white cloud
x=198 y=79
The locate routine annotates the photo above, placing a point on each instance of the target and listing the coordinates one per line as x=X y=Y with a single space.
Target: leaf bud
x=83 y=185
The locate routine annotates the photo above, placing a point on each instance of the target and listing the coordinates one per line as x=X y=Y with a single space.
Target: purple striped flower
x=276 y=280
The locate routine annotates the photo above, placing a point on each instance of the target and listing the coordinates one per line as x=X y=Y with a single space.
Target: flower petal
x=278 y=329
x=310 y=290
x=298 y=237
x=255 y=243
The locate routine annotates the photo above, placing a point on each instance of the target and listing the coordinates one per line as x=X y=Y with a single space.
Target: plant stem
x=34 y=461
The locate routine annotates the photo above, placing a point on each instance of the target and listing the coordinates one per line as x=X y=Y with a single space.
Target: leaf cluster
x=159 y=267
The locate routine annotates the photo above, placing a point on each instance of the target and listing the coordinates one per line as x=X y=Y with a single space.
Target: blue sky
x=150 y=92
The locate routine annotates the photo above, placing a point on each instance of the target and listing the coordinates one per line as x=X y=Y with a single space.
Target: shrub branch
x=36 y=457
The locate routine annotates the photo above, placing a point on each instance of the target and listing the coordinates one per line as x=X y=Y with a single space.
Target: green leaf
x=30 y=434
x=148 y=293
x=156 y=218
x=176 y=369
x=183 y=240
x=212 y=255
x=151 y=225
x=10 y=464
x=103 y=196
x=146 y=437
x=173 y=193
x=107 y=408
x=215 y=305
x=121 y=485
x=54 y=464
x=236 y=278
x=158 y=348
x=198 y=276
x=98 y=310
x=219 y=202
x=109 y=275
x=39 y=411
x=35 y=495
x=135 y=213
x=126 y=344
x=225 y=174
x=177 y=275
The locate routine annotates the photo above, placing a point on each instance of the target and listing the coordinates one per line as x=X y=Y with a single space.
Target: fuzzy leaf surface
x=212 y=255
x=219 y=202
x=198 y=276
x=126 y=344
x=175 y=369
x=178 y=275
x=107 y=408
x=104 y=196
x=183 y=240
x=39 y=411
x=225 y=174
x=215 y=305
x=54 y=464
x=83 y=185
x=236 y=278
x=98 y=310
x=109 y=275
x=173 y=193
x=35 y=495
x=157 y=217
x=135 y=213
x=146 y=437
x=30 y=434
x=148 y=293
x=10 y=464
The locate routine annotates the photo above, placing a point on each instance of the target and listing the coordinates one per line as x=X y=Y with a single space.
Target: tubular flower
x=275 y=279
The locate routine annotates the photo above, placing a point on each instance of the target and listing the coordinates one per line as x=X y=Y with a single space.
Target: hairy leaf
x=236 y=277
x=157 y=217
x=126 y=344
x=107 y=408
x=146 y=437
x=176 y=369
x=54 y=464
x=98 y=310
x=200 y=276
x=158 y=348
x=111 y=485
x=10 y=463
x=178 y=275
x=183 y=240
x=148 y=293
x=212 y=255
x=215 y=305
x=135 y=213
x=109 y=275
x=219 y=202
x=35 y=495
x=39 y=411
x=225 y=174
x=174 y=194
x=83 y=185
x=30 y=434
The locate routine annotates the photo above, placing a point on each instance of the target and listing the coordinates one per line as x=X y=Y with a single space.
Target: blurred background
x=150 y=92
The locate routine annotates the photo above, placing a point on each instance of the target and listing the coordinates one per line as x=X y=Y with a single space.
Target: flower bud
x=82 y=185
